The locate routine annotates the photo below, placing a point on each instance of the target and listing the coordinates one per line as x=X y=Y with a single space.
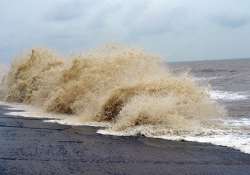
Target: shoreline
x=31 y=146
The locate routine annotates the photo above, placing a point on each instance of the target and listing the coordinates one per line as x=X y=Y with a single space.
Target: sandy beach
x=31 y=146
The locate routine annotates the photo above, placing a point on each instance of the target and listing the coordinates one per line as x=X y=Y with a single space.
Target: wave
x=228 y=95
x=210 y=70
x=117 y=87
x=206 y=79
x=222 y=95
x=125 y=86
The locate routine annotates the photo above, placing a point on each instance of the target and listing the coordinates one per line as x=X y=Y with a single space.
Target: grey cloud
x=170 y=20
x=69 y=10
x=64 y=16
x=176 y=28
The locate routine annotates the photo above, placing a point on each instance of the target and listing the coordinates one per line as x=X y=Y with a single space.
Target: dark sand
x=29 y=146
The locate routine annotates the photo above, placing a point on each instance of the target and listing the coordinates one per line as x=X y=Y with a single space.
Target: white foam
x=205 y=78
x=232 y=133
x=223 y=95
x=28 y=111
x=227 y=95
x=238 y=140
x=239 y=122
x=33 y=112
x=75 y=121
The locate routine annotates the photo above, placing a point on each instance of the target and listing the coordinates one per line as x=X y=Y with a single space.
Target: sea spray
x=3 y=72
x=125 y=87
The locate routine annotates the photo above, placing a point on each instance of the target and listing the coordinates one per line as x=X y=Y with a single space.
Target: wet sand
x=30 y=146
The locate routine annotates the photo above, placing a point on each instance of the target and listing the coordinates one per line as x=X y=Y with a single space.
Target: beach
x=31 y=146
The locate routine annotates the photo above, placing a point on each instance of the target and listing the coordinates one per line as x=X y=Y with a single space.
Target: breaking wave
x=121 y=86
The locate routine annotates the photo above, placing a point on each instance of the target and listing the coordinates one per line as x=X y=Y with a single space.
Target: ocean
x=127 y=92
x=229 y=79
x=230 y=86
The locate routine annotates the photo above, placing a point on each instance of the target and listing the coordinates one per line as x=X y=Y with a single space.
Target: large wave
x=123 y=86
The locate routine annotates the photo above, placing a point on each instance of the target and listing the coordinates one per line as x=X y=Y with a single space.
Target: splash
x=122 y=86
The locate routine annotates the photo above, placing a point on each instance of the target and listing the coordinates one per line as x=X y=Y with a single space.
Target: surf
x=124 y=87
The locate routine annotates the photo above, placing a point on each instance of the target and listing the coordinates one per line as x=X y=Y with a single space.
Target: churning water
x=130 y=92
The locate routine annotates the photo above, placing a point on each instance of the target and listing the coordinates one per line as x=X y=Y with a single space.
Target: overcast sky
x=175 y=29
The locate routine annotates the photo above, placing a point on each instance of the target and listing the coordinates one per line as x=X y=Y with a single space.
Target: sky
x=177 y=30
